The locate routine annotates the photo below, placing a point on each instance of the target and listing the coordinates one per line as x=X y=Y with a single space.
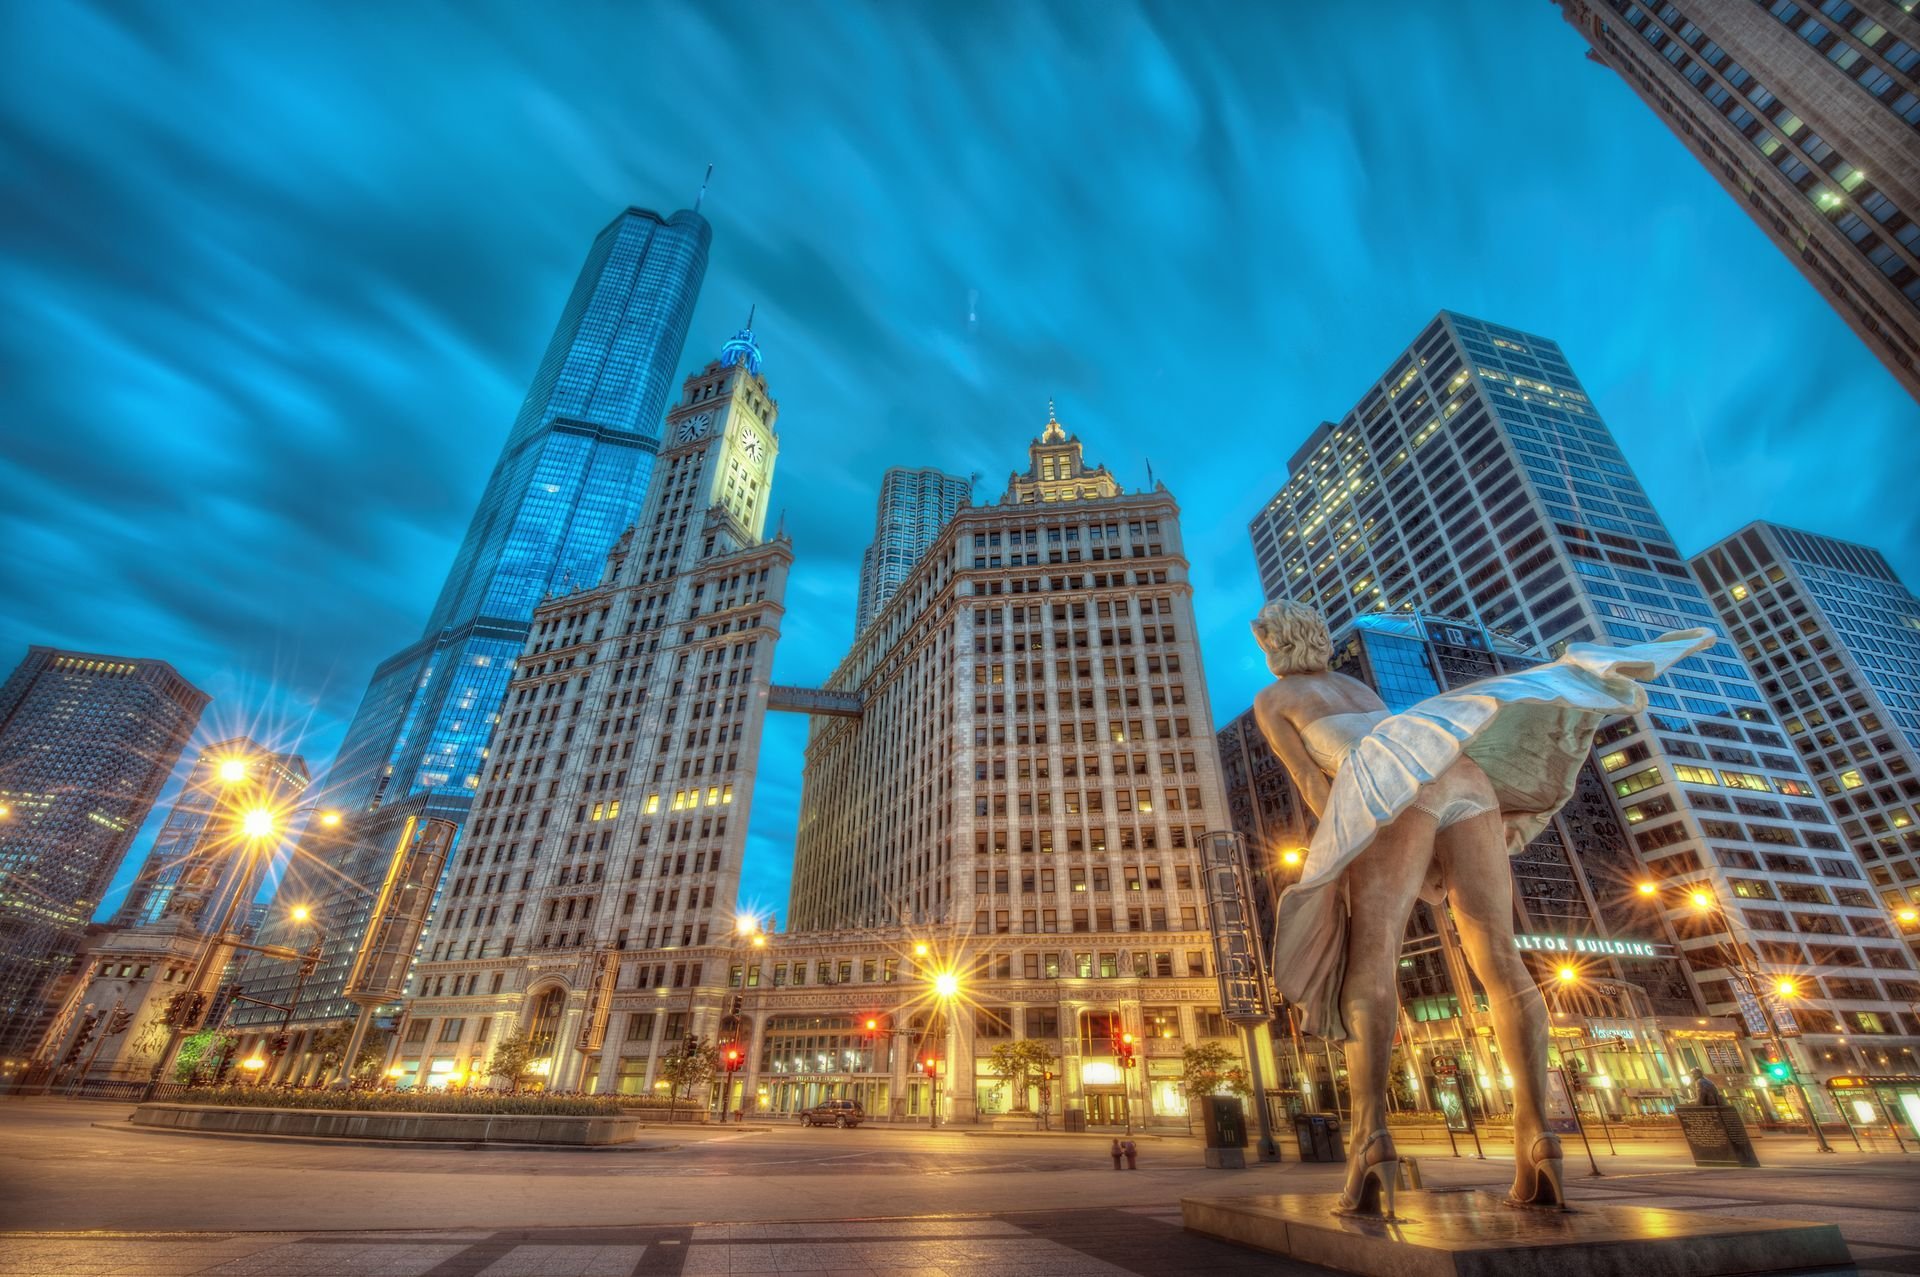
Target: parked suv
x=841 y=1113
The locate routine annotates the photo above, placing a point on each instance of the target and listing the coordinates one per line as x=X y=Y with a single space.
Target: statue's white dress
x=1528 y=732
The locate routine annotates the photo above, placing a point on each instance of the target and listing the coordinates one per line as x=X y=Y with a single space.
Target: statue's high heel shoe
x=1538 y=1185
x=1373 y=1174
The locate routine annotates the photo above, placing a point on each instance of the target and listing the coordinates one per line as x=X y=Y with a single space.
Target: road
x=84 y=1194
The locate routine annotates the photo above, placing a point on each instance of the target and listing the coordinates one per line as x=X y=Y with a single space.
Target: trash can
x=1076 y=1119
x=1318 y=1135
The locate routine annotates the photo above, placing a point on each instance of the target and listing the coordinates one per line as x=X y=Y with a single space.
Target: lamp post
x=1758 y=984
x=946 y=987
x=253 y=822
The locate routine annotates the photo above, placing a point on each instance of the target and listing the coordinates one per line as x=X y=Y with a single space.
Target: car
x=841 y=1113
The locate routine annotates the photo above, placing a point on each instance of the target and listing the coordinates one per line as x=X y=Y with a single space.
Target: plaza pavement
x=81 y=1194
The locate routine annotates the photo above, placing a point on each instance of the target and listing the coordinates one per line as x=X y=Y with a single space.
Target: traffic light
x=80 y=1040
x=1576 y=1076
x=930 y=1063
x=119 y=1021
x=739 y=1003
x=873 y=1025
x=1778 y=1069
x=277 y=1045
x=1123 y=1046
x=732 y=1058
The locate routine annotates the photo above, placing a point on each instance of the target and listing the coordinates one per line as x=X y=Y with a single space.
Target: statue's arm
x=1307 y=777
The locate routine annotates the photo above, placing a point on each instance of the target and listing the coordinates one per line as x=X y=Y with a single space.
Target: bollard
x=1133 y=1163
x=1116 y=1155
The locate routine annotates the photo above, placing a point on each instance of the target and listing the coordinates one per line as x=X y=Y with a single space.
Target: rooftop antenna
x=1149 y=474
x=751 y=307
x=703 y=189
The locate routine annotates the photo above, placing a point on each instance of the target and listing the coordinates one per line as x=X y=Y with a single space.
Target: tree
x=201 y=1054
x=512 y=1060
x=686 y=1067
x=1211 y=1069
x=1015 y=1063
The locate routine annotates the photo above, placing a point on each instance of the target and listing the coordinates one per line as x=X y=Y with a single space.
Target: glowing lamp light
x=1700 y=899
x=1290 y=857
x=232 y=769
x=946 y=984
x=257 y=823
x=253 y=1064
x=330 y=818
x=1785 y=988
x=1568 y=975
x=759 y=942
x=1646 y=888
x=396 y=1072
x=920 y=950
x=300 y=913
x=1908 y=916
x=5 y=811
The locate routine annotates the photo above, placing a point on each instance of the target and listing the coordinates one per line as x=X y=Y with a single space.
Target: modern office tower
x=1476 y=480
x=1022 y=761
x=86 y=742
x=567 y=483
x=914 y=506
x=612 y=815
x=1575 y=903
x=191 y=848
x=1834 y=637
x=1809 y=114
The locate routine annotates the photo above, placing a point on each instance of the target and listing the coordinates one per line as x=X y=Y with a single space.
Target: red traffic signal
x=732 y=1057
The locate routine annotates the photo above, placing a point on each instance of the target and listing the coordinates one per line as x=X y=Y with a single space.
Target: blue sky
x=276 y=277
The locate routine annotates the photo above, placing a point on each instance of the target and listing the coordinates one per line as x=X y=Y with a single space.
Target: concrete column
x=568 y=1061
x=958 y=1085
x=749 y=1074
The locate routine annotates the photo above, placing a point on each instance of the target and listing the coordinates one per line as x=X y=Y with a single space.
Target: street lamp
x=1746 y=965
x=946 y=987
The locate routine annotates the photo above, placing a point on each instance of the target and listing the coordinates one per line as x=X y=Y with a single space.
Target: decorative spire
x=741 y=349
x=1053 y=433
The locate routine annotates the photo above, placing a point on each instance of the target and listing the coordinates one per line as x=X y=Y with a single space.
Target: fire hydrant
x=1133 y=1163
x=1116 y=1155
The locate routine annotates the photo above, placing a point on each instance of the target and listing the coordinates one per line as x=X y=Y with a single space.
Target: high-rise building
x=1834 y=636
x=86 y=742
x=1023 y=762
x=1575 y=903
x=612 y=814
x=914 y=506
x=568 y=482
x=190 y=847
x=1475 y=479
x=1809 y=115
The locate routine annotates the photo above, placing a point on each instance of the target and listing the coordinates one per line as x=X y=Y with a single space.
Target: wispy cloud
x=277 y=277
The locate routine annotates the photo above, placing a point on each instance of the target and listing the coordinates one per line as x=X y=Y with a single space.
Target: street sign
x=1446 y=1066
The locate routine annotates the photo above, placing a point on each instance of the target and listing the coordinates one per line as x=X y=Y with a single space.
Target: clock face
x=750 y=444
x=693 y=427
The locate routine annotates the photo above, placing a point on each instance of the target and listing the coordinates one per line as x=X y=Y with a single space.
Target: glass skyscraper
x=1834 y=636
x=567 y=484
x=86 y=742
x=569 y=481
x=914 y=506
x=1476 y=480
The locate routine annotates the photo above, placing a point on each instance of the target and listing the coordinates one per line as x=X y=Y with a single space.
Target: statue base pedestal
x=1475 y=1235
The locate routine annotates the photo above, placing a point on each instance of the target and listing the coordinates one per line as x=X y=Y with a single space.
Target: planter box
x=453 y=1128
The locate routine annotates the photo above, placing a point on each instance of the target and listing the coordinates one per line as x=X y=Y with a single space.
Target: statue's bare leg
x=1382 y=885
x=1479 y=884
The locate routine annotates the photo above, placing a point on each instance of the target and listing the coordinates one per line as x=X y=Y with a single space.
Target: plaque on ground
x=1476 y=1235
x=1715 y=1135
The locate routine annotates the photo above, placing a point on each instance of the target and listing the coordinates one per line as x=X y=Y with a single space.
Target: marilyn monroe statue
x=1428 y=804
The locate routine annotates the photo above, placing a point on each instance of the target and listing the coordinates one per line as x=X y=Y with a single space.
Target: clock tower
x=716 y=467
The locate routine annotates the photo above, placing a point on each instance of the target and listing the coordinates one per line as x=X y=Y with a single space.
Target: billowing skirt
x=1528 y=732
